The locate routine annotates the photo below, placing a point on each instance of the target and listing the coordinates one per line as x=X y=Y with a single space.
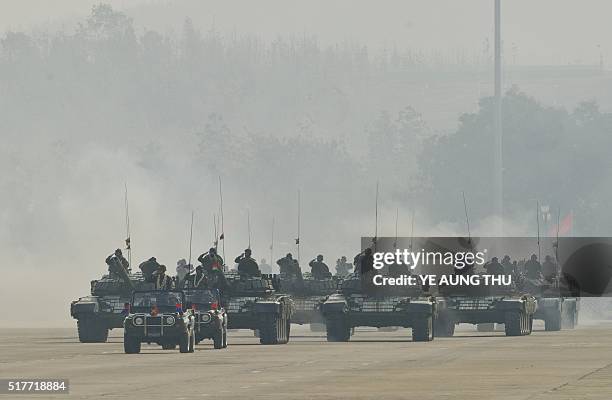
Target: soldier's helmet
x=181 y=263
x=506 y=258
x=247 y=252
x=320 y=257
x=212 y=251
x=289 y=256
x=494 y=259
x=534 y=257
x=162 y=268
x=343 y=258
x=118 y=253
x=368 y=251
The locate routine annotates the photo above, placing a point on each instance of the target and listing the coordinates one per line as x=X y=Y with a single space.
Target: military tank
x=308 y=294
x=255 y=303
x=498 y=305
x=557 y=312
x=107 y=305
x=350 y=307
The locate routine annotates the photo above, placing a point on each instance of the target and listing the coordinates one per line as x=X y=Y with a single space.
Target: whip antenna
x=538 y=218
x=412 y=231
x=128 y=240
x=249 y=226
x=272 y=244
x=376 y=218
x=297 y=241
x=467 y=219
x=222 y=237
x=190 y=239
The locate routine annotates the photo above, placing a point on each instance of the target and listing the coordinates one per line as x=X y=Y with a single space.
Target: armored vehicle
x=554 y=309
x=308 y=294
x=210 y=319
x=106 y=307
x=254 y=303
x=350 y=307
x=159 y=316
x=498 y=305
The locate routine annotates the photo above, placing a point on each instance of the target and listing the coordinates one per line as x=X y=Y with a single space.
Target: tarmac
x=570 y=364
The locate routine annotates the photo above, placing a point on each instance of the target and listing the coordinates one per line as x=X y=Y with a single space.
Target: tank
x=350 y=308
x=255 y=303
x=107 y=305
x=509 y=306
x=557 y=311
x=308 y=294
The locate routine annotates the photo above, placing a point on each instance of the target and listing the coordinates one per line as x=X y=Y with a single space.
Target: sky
x=544 y=32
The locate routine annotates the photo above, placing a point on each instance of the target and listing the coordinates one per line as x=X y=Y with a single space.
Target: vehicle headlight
x=138 y=321
x=205 y=318
x=169 y=320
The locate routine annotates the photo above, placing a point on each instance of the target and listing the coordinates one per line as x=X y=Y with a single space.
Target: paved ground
x=562 y=365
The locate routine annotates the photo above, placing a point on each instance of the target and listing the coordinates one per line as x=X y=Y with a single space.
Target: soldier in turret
x=247 y=266
x=289 y=267
x=211 y=260
x=319 y=270
x=161 y=280
x=148 y=268
x=117 y=258
x=533 y=269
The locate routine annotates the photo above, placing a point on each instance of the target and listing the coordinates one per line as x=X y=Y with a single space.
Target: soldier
x=117 y=255
x=182 y=270
x=198 y=280
x=342 y=267
x=265 y=267
x=211 y=260
x=148 y=268
x=494 y=267
x=549 y=269
x=162 y=281
x=533 y=269
x=289 y=267
x=247 y=266
x=509 y=267
x=319 y=269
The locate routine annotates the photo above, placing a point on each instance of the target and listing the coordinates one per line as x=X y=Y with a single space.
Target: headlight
x=205 y=318
x=169 y=320
x=138 y=321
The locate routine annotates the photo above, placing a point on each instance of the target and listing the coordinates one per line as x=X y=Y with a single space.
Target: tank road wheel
x=131 y=345
x=184 y=342
x=444 y=327
x=552 y=322
x=518 y=323
x=338 y=330
x=91 y=331
x=169 y=346
x=422 y=329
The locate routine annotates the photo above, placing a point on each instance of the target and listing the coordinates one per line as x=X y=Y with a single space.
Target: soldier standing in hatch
x=162 y=281
x=198 y=280
x=533 y=269
x=148 y=268
x=494 y=267
x=509 y=268
x=182 y=271
x=247 y=266
x=117 y=255
x=289 y=267
x=342 y=267
x=211 y=260
x=319 y=269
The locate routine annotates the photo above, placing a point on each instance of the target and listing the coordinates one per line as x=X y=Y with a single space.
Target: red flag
x=564 y=227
